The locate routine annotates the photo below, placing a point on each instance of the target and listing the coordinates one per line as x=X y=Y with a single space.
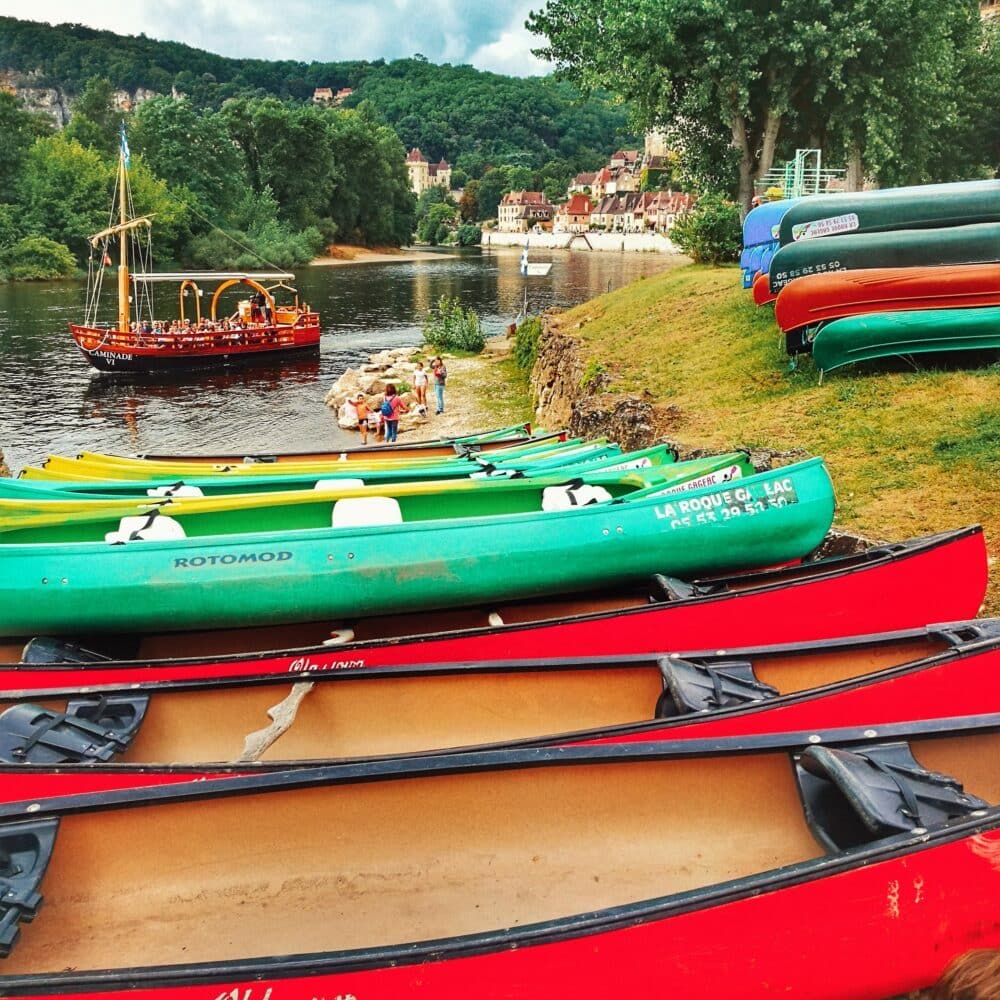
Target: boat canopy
x=160 y=276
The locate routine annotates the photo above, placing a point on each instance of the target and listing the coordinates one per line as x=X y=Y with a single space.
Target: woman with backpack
x=392 y=406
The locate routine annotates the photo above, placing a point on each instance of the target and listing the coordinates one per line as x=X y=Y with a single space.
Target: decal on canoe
x=303 y=664
x=726 y=505
x=780 y=278
x=229 y=558
x=776 y=231
x=716 y=478
x=826 y=227
x=638 y=463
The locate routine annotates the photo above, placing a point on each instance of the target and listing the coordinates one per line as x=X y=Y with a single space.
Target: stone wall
x=634 y=420
x=614 y=242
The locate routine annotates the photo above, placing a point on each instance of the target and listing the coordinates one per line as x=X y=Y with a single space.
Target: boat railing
x=263 y=336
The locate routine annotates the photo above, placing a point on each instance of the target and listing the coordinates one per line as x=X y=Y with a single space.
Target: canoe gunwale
x=559 y=929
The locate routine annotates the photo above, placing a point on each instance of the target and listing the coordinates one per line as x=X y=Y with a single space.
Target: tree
x=19 y=128
x=36 y=258
x=437 y=224
x=741 y=74
x=468 y=205
x=433 y=195
x=95 y=121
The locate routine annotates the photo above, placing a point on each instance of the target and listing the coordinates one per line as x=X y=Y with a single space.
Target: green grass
x=911 y=452
x=505 y=394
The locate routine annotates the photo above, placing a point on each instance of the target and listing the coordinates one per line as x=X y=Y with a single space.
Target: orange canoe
x=820 y=298
x=762 y=293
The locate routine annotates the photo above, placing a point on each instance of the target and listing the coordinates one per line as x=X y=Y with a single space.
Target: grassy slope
x=910 y=452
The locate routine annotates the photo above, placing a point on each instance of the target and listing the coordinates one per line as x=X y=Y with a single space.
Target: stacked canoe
x=896 y=272
x=514 y=716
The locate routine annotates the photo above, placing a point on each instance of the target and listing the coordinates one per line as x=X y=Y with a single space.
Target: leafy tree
x=37 y=258
x=710 y=233
x=18 y=130
x=437 y=224
x=469 y=235
x=95 y=122
x=450 y=327
x=468 y=205
x=432 y=196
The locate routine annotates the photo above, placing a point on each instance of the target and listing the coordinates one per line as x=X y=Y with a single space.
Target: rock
x=371 y=385
x=843 y=543
x=4 y=471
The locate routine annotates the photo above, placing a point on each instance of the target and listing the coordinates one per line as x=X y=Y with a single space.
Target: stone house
x=582 y=183
x=573 y=216
x=424 y=175
x=520 y=211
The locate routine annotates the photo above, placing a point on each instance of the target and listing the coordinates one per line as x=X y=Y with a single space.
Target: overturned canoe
x=886 y=335
x=407 y=552
x=979 y=244
x=535 y=873
x=762 y=293
x=811 y=301
x=927 y=206
x=318 y=717
x=891 y=587
x=760 y=238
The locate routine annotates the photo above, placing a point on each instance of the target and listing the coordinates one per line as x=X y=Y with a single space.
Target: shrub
x=37 y=258
x=450 y=327
x=711 y=232
x=469 y=235
x=526 y=340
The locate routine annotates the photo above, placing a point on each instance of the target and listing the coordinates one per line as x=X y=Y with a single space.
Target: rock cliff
x=56 y=102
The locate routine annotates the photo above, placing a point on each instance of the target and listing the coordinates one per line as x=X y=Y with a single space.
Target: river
x=52 y=401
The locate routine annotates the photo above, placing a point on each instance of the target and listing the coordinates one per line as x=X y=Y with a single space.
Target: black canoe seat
x=853 y=797
x=25 y=850
x=689 y=686
x=44 y=649
x=91 y=730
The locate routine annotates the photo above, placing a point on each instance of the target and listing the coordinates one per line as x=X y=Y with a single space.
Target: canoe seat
x=145 y=528
x=175 y=490
x=365 y=512
x=852 y=798
x=689 y=686
x=574 y=495
x=338 y=484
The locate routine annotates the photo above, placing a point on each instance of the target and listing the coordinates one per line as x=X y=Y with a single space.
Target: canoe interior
x=336 y=868
x=357 y=716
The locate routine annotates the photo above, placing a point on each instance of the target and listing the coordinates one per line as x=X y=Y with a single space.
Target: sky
x=489 y=34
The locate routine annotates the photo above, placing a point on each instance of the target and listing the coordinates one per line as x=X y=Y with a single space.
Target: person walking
x=440 y=375
x=420 y=386
x=392 y=406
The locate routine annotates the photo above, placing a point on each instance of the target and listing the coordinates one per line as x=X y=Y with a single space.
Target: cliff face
x=56 y=102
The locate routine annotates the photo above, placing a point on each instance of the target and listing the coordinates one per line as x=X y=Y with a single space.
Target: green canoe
x=884 y=335
x=590 y=459
x=402 y=553
x=929 y=206
x=978 y=244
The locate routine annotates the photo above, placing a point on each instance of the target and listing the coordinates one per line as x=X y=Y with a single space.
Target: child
x=420 y=386
x=361 y=405
x=392 y=406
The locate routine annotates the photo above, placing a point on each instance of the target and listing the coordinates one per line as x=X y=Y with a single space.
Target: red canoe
x=762 y=293
x=741 y=868
x=114 y=738
x=819 y=298
x=904 y=585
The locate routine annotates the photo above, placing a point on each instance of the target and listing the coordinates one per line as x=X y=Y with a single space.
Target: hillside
x=470 y=117
x=911 y=452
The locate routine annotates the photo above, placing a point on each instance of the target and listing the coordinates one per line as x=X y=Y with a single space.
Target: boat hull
x=940 y=578
x=886 y=335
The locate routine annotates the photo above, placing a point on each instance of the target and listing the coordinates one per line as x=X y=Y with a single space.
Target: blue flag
x=125 y=149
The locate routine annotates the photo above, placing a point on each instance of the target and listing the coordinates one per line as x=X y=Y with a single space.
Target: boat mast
x=123 y=264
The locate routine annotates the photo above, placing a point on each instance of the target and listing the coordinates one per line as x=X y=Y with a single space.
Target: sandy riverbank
x=342 y=256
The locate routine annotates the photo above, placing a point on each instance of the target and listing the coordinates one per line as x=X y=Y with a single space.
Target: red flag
x=107 y=260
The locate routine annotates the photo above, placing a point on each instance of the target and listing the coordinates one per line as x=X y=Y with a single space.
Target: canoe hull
x=942 y=578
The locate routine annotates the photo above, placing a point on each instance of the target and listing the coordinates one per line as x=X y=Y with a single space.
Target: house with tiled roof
x=582 y=183
x=600 y=186
x=574 y=215
x=342 y=95
x=322 y=95
x=424 y=175
x=521 y=211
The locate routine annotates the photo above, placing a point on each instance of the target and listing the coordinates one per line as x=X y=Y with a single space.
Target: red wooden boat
x=113 y=738
x=818 y=298
x=904 y=585
x=688 y=869
x=140 y=343
x=762 y=293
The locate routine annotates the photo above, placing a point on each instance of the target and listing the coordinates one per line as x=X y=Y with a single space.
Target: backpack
x=386 y=408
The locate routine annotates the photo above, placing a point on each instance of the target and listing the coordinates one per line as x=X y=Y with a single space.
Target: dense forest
x=471 y=118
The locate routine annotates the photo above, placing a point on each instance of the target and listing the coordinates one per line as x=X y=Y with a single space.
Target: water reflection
x=50 y=399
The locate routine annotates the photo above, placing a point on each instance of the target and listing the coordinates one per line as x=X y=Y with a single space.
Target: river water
x=51 y=400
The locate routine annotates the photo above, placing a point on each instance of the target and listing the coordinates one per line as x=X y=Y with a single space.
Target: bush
x=711 y=232
x=37 y=258
x=469 y=235
x=526 y=340
x=449 y=327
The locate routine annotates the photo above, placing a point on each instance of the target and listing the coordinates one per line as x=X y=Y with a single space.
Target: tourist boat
x=595 y=458
x=942 y=671
x=895 y=334
x=536 y=873
x=223 y=562
x=808 y=302
x=978 y=244
x=926 y=206
x=138 y=343
x=892 y=587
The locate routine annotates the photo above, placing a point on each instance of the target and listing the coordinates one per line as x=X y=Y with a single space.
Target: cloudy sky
x=489 y=34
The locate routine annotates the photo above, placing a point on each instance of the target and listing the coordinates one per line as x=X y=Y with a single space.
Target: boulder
x=4 y=471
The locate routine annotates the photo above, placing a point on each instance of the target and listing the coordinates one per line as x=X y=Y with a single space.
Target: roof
x=656 y=163
x=584 y=179
x=322 y=92
x=525 y=198
x=579 y=204
x=415 y=156
x=604 y=174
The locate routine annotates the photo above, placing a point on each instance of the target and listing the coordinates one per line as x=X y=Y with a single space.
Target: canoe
x=819 y=298
x=762 y=293
x=979 y=244
x=536 y=873
x=891 y=587
x=147 y=730
x=406 y=552
x=928 y=206
x=760 y=238
x=886 y=335
x=606 y=457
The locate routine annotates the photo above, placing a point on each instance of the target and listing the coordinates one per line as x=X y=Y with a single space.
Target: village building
x=600 y=186
x=582 y=183
x=624 y=158
x=424 y=175
x=521 y=211
x=322 y=95
x=574 y=215
x=342 y=95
